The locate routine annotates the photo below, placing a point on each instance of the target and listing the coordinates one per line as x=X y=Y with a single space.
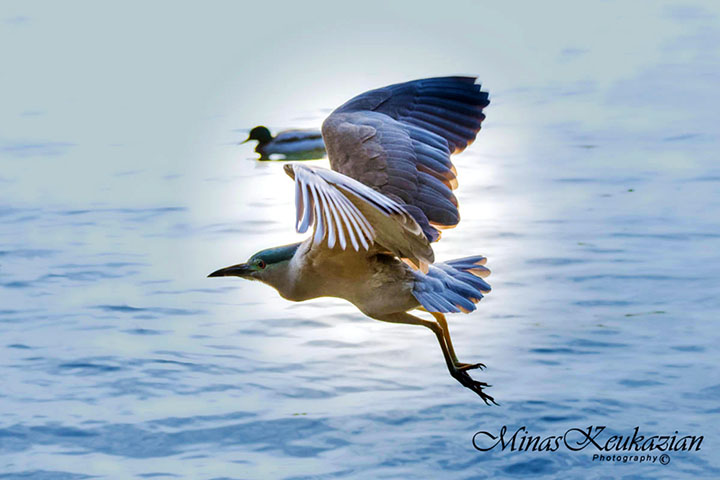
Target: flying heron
x=376 y=212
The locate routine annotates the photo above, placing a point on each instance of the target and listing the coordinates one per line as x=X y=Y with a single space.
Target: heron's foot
x=477 y=387
x=469 y=366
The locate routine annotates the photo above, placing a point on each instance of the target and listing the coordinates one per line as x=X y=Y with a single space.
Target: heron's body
x=290 y=143
x=376 y=212
x=377 y=284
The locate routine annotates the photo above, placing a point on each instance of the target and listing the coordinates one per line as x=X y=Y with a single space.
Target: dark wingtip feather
x=442 y=116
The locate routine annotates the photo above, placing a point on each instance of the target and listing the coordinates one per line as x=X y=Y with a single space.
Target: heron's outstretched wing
x=398 y=140
x=346 y=214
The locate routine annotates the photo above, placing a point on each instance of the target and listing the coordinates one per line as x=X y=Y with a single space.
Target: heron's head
x=261 y=134
x=269 y=266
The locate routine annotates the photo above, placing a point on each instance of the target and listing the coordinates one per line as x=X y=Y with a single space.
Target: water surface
x=593 y=190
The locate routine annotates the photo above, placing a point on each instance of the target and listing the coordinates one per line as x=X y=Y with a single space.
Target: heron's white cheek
x=253 y=276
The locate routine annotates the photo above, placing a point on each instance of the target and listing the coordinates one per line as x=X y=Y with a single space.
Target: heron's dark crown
x=276 y=254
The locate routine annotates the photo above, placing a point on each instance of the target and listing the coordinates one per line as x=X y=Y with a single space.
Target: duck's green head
x=264 y=265
x=261 y=134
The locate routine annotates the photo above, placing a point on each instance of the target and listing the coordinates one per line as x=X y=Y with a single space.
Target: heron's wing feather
x=450 y=107
x=398 y=140
x=346 y=214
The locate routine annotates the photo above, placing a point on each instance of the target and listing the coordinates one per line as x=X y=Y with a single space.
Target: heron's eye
x=261 y=264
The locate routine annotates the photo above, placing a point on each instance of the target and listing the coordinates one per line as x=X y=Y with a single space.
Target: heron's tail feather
x=454 y=286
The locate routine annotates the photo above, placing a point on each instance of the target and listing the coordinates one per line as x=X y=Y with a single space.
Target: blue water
x=593 y=189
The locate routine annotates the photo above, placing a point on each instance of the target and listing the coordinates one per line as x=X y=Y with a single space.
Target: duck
x=293 y=144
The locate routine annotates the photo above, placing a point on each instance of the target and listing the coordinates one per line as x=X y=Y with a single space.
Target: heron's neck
x=281 y=277
x=281 y=272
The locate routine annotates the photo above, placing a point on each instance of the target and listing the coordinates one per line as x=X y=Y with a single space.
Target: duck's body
x=293 y=144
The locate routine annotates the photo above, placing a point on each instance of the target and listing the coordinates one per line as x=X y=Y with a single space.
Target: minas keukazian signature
x=577 y=439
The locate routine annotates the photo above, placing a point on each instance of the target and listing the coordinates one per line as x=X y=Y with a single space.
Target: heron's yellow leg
x=446 y=334
x=458 y=372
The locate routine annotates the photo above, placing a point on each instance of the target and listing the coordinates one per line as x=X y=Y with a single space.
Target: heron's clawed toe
x=469 y=366
x=466 y=380
x=487 y=399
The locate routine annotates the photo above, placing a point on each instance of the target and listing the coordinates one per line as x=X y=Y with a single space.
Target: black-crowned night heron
x=376 y=214
x=293 y=144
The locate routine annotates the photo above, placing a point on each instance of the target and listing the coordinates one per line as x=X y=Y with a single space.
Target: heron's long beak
x=245 y=141
x=241 y=270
